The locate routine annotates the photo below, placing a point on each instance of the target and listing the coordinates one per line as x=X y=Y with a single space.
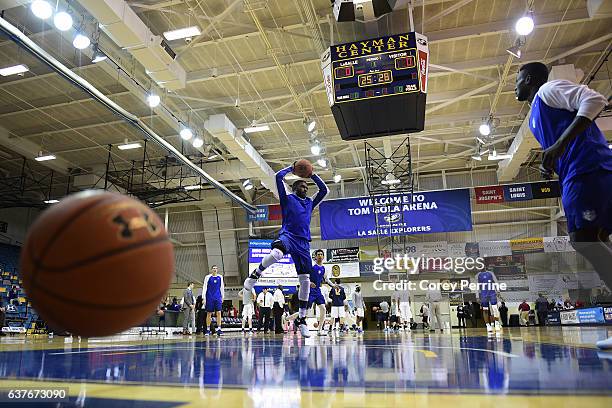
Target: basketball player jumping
x=294 y=237
x=562 y=120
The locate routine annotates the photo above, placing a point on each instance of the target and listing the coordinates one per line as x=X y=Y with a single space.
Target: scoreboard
x=377 y=87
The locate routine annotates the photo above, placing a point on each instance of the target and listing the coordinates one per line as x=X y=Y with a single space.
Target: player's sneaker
x=304 y=328
x=498 y=327
x=219 y=333
x=207 y=333
x=605 y=344
x=256 y=274
x=359 y=331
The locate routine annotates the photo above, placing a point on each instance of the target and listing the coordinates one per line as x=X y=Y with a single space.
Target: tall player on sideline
x=294 y=237
x=488 y=300
x=213 y=292
x=562 y=121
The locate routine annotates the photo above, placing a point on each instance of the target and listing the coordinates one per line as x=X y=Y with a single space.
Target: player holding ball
x=294 y=237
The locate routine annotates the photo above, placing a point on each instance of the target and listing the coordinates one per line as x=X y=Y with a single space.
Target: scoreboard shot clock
x=377 y=87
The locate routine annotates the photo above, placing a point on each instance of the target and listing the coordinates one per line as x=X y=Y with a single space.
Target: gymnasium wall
x=18 y=221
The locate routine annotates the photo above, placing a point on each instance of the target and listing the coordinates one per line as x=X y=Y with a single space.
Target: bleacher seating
x=22 y=314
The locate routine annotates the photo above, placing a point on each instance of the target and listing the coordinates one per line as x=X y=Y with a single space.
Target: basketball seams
x=95 y=258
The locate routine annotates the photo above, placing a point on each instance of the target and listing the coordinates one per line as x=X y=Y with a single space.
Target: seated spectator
x=13 y=296
x=568 y=304
x=175 y=305
x=579 y=303
x=2 y=317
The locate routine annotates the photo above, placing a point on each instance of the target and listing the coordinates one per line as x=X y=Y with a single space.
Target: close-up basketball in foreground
x=313 y=203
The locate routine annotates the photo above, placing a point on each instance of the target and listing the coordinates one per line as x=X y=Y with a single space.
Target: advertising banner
x=517 y=192
x=526 y=246
x=399 y=214
x=340 y=262
x=608 y=314
x=281 y=273
x=489 y=194
x=553 y=319
x=569 y=317
x=591 y=315
x=557 y=244
x=260 y=215
x=494 y=248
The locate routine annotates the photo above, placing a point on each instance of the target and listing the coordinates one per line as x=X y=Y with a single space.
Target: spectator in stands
x=579 y=303
x=524 y=313
x=541 y=307
x=175 y=305
x=13 y=296
x=2 y=316
x=503 y=314
x=568 y=304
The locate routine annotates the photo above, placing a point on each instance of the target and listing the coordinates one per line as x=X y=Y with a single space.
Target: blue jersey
x=337 y=296
x=297 y=212
x=213 y=286
x=486 y=277
x=587 y=153
x=317 y=274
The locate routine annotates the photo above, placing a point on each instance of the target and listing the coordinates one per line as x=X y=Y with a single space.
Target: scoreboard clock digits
x=375 y=78
x=343 y=72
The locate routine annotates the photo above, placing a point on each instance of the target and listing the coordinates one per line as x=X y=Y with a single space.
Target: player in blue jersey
x=317 y=276
x=562 y=120
x=294 y=237
x=212 y=298
x=488 y=300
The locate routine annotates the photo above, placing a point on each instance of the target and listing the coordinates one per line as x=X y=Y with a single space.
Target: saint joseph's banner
x=398 y=214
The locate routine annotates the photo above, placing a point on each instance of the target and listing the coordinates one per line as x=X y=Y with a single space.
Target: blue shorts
x=315 y=297
x=213 y=305
x=299 y=249
x=587 y=201
x=488 y=298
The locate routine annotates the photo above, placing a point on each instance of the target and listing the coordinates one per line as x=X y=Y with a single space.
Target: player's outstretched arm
x=280 y=183
x=323 y=190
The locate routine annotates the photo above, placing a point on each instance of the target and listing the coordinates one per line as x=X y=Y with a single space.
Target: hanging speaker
x=344 y=10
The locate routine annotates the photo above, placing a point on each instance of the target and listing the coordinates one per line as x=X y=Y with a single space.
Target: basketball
x=302 y=168
x=97 y=263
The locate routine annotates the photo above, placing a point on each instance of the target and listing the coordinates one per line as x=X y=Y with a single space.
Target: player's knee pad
x=277 y=254
x=304 y=290
x=278 y=244
x=494 y=310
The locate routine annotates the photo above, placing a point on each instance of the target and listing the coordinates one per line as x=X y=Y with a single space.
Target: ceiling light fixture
x=311 y=125
x=256 y=128
x=515 y=51
x=14 y=70
x=315 y=148
x=81 y=41
x=62 y=21
x=198 y=142
x=495 y=156
x=322 y=162
x=390 y=179
x=153 y=100
x=51 y=201
x=213 y=156
x=129 y=146
x=181 y=33
x=41 y=9
x=485 y=129
x=247 y=184
x=337 y=178
x=44 y=157
x=525 y=25
x=97 y=55
x=186 y=133
x=194 y=187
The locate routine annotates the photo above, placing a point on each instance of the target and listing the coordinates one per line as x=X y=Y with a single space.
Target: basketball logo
x=130 y=219
x=336 y=271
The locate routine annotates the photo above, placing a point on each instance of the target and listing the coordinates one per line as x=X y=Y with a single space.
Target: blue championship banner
x=399 y=214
